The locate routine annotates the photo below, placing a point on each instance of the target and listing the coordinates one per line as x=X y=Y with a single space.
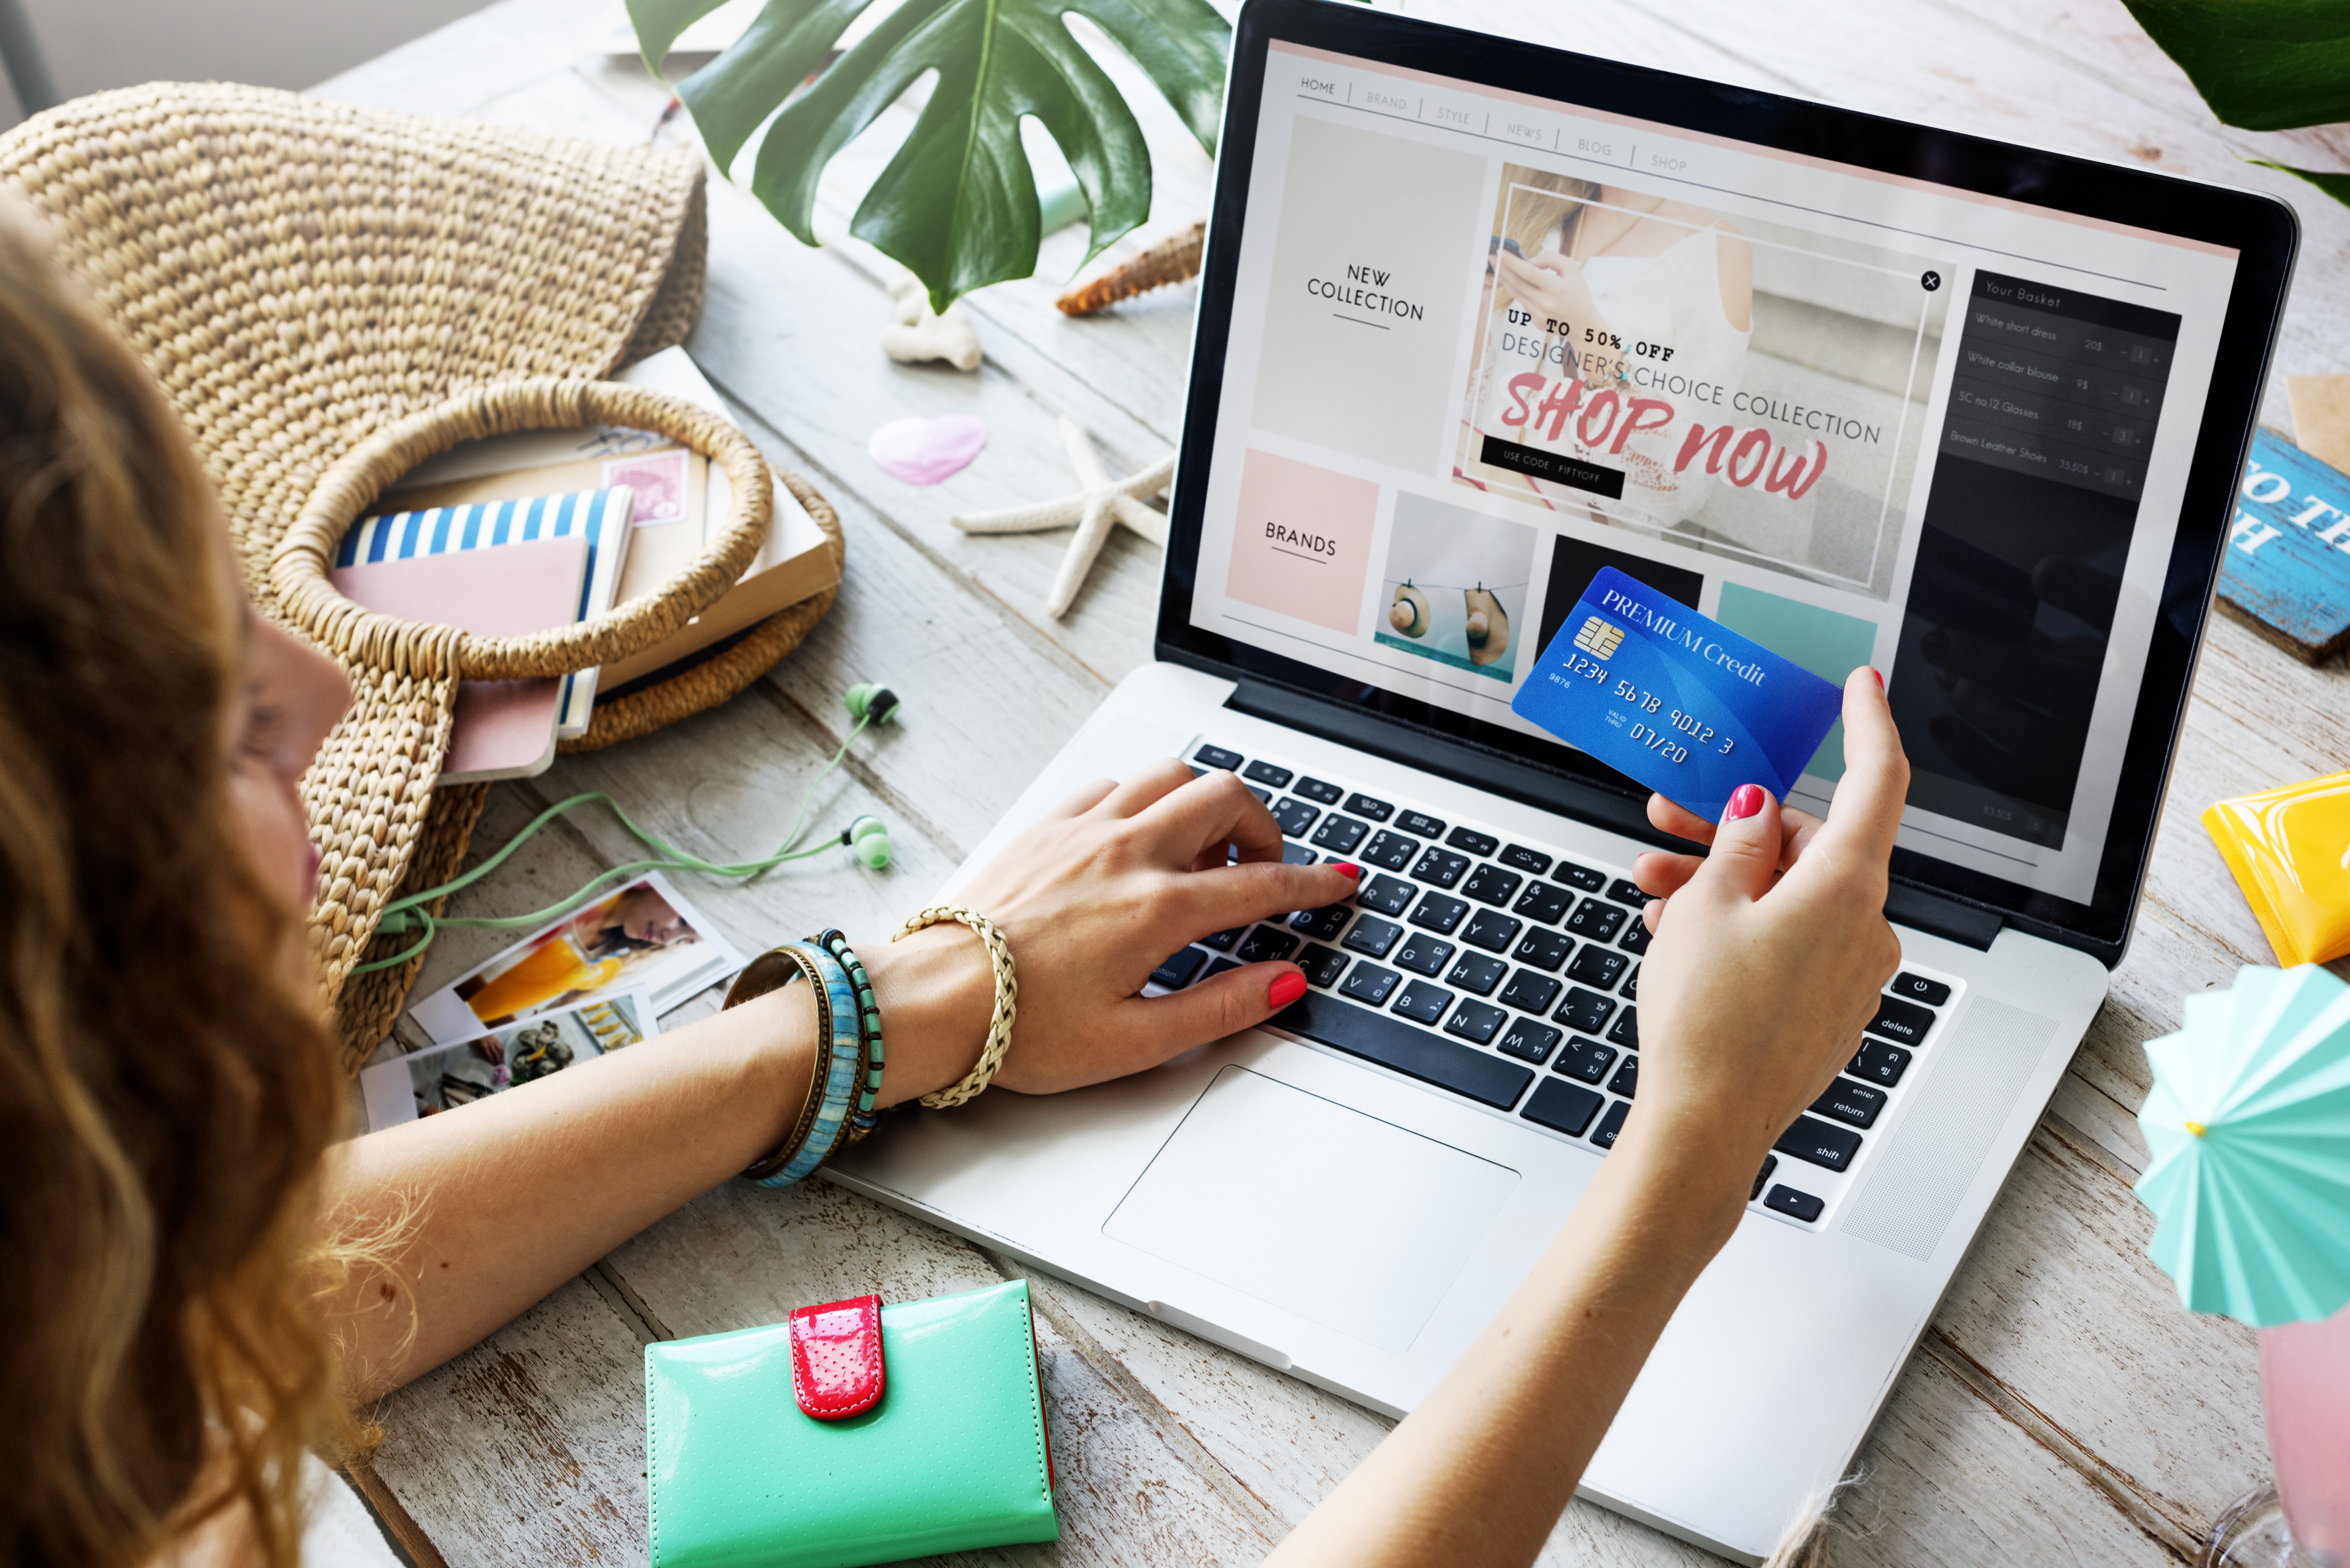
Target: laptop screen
x=1483 y=343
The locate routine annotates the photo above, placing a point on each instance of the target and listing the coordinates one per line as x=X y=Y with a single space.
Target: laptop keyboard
x=1509 y=975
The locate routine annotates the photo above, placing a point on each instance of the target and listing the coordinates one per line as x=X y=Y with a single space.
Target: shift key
x=1815 y=1140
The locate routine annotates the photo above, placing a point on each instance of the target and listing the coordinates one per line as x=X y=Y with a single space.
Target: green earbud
x=868 y=840
x=872 y=701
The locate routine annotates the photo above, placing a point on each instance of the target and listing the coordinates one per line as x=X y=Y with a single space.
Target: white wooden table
x=2062 y=1407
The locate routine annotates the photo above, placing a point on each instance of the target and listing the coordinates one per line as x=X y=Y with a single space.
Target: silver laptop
x=1867 y=393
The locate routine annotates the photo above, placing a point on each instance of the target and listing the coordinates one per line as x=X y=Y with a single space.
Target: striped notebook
x=602 y=515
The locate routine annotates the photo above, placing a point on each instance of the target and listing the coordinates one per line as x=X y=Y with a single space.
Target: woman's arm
x=490 y=1206
x=1756 y=990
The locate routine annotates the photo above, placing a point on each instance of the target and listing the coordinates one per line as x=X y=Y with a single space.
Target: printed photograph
x=1454 y=588
x=642 y=935
x=427 y=1083
x=1736 y=386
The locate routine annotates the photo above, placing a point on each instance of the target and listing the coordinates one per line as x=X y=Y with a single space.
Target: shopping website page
x=1482 y=346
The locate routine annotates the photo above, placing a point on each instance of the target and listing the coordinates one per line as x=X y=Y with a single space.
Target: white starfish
x=1103 y=503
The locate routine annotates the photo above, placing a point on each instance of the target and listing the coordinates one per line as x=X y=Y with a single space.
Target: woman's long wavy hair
x=1532 y=220
x=165 y=1095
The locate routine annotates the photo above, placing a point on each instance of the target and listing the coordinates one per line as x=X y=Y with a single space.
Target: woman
x=1615 y=288
x=181 y=1332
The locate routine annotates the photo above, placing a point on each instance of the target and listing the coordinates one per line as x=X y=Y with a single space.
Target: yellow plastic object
x=2290 y=849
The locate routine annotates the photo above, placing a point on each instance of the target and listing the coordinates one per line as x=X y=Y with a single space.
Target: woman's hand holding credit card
x=1677 y=701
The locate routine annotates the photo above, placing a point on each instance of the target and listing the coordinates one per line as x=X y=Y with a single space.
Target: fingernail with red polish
x=1349 y=868
x=1746 y=800
x=1285 y=989
x=1880 y=677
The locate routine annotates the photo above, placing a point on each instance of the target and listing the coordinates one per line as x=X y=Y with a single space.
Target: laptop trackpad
x=1339 y=1216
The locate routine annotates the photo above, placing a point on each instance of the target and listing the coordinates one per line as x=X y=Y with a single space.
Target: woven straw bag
x=327 y=295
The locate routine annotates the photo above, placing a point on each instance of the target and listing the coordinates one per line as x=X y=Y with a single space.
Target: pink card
x=658 y=480
x=504 y=729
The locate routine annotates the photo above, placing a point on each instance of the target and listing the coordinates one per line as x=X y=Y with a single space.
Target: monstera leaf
x=958 y=203
x=2264 y=64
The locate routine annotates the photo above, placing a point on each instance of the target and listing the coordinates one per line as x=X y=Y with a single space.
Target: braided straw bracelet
x=1007 y=994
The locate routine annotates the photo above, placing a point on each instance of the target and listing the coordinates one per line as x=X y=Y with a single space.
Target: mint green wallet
x=853 y=1433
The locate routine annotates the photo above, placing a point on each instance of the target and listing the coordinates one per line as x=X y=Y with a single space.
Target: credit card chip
x=1599 y=638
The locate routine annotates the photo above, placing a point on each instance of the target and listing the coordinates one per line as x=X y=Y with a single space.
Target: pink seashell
x=924 y=451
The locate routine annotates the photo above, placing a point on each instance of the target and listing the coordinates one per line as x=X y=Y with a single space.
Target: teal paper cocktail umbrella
x=2249 y=1121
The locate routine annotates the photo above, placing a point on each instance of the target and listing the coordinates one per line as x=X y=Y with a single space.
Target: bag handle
x=297 y=569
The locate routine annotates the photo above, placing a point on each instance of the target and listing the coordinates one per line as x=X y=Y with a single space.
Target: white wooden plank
x=529 y=1448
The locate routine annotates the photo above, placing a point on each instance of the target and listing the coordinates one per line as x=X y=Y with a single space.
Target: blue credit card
x=1679 y=702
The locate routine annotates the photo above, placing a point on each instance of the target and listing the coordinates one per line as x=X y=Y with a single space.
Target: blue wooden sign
x=2287 y=567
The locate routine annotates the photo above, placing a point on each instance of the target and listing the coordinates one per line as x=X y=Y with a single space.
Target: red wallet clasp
x=836 y=1370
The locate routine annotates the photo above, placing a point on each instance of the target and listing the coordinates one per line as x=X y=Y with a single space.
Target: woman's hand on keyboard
x=1770 y=951
x=1091 y=899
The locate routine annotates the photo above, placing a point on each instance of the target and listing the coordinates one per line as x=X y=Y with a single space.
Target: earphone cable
x=399 y=915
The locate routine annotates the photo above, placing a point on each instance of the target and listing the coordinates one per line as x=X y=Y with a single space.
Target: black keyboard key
x=1322 y=924
x=1578 y=876
x=1787 y=1201
x=1903 y=1022
x=1492 y=931
x=1598 y=967
x=1391 y=1043
x=1532 y=862
x=1266 y=945
x=1585 y=1011
x=1770 y=1164
x=1626 y=1078
x=1637 y=936
x=1181 y=968
x=1561 y=1107
x=1596 y=922
x=1879 y=1063
x=1473 y=841
x=1530 y=993
x=1544 y=903
x=1476 y=1022
x=1918 y=988
x=1371 y=937
x=1263 y=794
x=1440 y=867
x=1439 y=913
x=1390 y=851
x=1586 y=1059
x=1340 y=834
x=1370 y=983
x=1268 y=774
x=1855 y=1105
x=1818 y=1142
x=1321 y=965
x=1297 y=855
x=1216 y=757
x=1317 y=792
x=1420 y=823
x=1422 y=1002
x=1530 y=1042
x=1386 y=896
x=1603 y=1134
x=1476 y=972
x=1219 y=966
x=1624 y=890
x=1424 y=955
x=1543 y=949
x=1491 y=885
x=1296 y=817
x=1222 y=940
x=1631 y=989
x=1364 y=806
x=1627 y=1031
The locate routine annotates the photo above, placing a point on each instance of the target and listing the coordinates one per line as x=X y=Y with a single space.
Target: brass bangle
x=772 y=971
x=1007 y=994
